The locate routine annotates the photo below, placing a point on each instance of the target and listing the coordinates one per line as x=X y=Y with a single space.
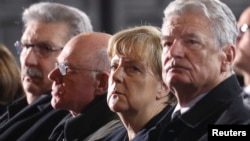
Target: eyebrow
x=189 y=35
x=164 y=37
x=194 y=35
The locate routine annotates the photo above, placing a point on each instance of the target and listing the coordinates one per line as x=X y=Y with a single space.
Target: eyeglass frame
x=19 y=46
x=64 y=69
x=243 y=28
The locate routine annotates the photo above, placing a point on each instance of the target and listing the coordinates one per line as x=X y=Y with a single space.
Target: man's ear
x=102 y=82
x=229 y=53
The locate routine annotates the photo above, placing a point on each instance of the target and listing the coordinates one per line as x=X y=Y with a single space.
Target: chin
x=113 y=107
x=119 y=108
x=56 y=104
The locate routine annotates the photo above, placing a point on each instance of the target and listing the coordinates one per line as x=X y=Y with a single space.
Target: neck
x=31 y=97
x=186 y=93
x=74 y=114
x=246 y=78
x=136 y=120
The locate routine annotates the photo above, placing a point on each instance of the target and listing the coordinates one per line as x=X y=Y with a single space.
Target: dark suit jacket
x=96 y=115
x=145 y=134
x=2 y=109
x=12 y=109
x=38 y=113
x=222 y=105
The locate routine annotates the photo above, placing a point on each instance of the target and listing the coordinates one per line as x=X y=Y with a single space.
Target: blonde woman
x=136 y=90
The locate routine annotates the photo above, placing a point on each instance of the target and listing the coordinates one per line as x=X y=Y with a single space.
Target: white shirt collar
x=186 y=107
x=247 y=89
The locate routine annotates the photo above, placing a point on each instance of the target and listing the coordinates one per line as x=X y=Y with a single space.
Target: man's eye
x=47 y=48
x=26 y=46
x=193 y=42
x=44 y=47
x=113 y=67
x=167 y=44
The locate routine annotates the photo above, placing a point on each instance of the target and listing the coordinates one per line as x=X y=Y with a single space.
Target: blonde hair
x=139 y=43
x=10 y=78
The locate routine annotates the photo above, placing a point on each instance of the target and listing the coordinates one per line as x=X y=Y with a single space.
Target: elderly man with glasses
x=80 y=82
x=47 y=28
x=241 y=63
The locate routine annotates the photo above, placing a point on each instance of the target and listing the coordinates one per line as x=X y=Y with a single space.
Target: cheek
x=164 y=56
x=59 y=102
x=164 y=76
x=210 y=68
x=21 y=58
x=110 y=89
x=110 y=82
x=200 y=62
x=22 y=61
x=50 y=62
x=111 y=101
x=138 y=90
x=203 y=66
x=244 y=43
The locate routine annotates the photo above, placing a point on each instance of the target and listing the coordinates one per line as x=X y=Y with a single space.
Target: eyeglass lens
x=62 y=68
x=42 y=49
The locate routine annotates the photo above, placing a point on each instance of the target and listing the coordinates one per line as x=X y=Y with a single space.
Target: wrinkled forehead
x=181 y=7
x=36 y=32
x=187 y=23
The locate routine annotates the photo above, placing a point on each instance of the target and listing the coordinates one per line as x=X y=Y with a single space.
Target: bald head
x=90 y=41
x=85 y=64
x=88 y=49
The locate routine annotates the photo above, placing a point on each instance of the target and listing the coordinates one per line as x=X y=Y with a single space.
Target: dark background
x=107 y=16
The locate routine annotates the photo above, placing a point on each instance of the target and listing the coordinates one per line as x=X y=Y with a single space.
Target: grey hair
x=49 y=12
x=223 y=23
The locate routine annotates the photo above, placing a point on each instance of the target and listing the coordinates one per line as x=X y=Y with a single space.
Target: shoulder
x=110 y=129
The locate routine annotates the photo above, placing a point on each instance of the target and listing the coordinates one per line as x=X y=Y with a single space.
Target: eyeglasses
x=243 y=29
x=64 y=69
x=41 y=49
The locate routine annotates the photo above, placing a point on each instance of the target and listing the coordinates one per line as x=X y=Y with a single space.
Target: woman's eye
x=133 y=69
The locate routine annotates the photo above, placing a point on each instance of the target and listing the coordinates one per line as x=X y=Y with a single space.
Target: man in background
x=241 y=63
x=47 y=28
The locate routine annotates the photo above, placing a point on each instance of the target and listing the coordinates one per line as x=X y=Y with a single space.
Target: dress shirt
x=183 y=109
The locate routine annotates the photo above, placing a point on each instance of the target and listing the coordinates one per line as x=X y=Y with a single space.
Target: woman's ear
x=102 y=83
x=163 y=91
